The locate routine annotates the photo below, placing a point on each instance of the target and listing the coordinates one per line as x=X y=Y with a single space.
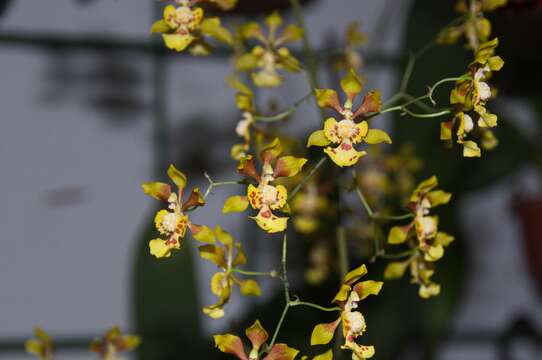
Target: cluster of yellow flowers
x=280 y=187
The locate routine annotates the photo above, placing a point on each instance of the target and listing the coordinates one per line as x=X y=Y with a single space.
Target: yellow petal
x=471 y=149
x=230 y=344
x=355 y=274
x=249 y=288
x=274 y=20
x=398 y=234
x=219 y=282
x=169 y=13
x=215 y=312
x=330 y=130
x=158 y=190
x=282 y=198
x=161 y=249
x=433 y=253
x=318 y=138
x=443 y=239
x=288 y=166
x=254 y=197
x=236 y=203
x=395 y=270
x=351 y=84
x=177 y=42
x=271 y=151
x=426 y=291
x=224 y=236
x=377 y=136
x=438 y=197
x=160 y=26
x=323 y=333
x=212 y=27
x=270 y=222
x=177 y=177
x=369 y=287
x=342 y=294
x=363 y=129
x=202 y=233
x=344 y=155
x=327 y=98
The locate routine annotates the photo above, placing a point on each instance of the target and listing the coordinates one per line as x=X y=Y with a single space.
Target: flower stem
x=311 y=173
x=272 y=273
x=213 y=184
x=284 y=114
x=284 y=278
x=316 y=306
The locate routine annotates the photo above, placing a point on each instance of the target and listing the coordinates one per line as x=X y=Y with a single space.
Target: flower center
x=184 y=19
x=269 y=195
x=346 y=129
x=169 y=223
x=356 y=323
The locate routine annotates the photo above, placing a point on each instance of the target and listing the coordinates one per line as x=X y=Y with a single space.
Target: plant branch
x=213 y=184
x=272 y=273
x=284 y=114
x=311 y=173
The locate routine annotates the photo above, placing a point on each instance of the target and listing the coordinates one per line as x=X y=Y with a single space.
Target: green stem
x=213 y=184
x=272 y=273
x=407 y=253
x=362 y=198
x=342 y=248
x=392 y=217
x=311 y=173
x=316 y=306
x=284 y=114
x=284 y=277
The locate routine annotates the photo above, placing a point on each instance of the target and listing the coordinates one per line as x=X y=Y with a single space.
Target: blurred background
x=92 y=105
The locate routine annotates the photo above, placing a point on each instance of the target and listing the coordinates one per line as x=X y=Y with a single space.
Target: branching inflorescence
x=282 y=187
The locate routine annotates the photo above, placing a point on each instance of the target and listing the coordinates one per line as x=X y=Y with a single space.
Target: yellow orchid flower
x=184 y=26
x=173 y=221
x=266 y=197
x=353 y=322
x=469 y=98
x=422 y=234
x=245 y=103
x=231 y=344
x=265 y=60
x=114 y=342
x=42 y=346
x=226 y=254
x=346 y=133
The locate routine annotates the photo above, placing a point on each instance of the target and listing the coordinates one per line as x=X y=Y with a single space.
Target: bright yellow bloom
x=352 y=320
x=42 y=347
x=114 y=342
x=265 y=196
x=184 y=26
x=172 y=222
x=226 y=254
x=264 y=61
x=231 y=344
x=346 y=133
x=423 y=236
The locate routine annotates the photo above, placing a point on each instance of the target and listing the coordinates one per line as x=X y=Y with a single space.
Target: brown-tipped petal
x=247 y=168
x=371 y=104
x=157 y=190
x=257 y=335
x=194 y=200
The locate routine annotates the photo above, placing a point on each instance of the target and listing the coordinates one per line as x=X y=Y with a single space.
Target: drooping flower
x=422 y=235
x=352 y=320
x=350 y=57
x=226 y=254
x=469 y=98
x=265 y=60
x=346 y=133
x=185 y=27
x=474 y=26
x=114 y=342
x=265 y=196
x=172 y=222
x=258 y=336
x=42 y=346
